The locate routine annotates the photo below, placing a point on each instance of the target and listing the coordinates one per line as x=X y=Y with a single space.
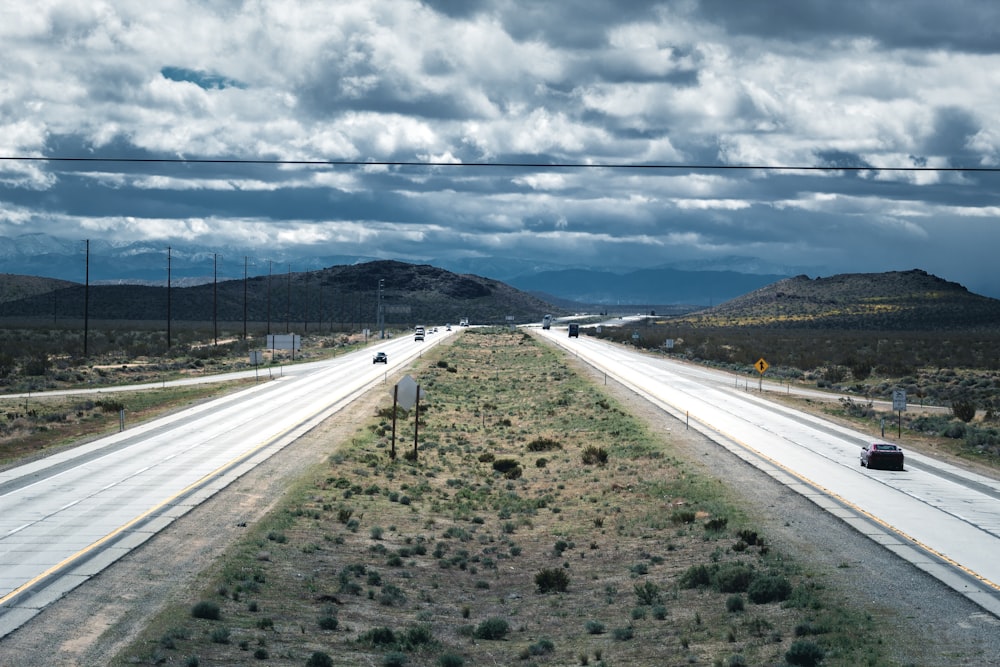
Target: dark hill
x=898 y=300
x=411 y=294
x=14 y=287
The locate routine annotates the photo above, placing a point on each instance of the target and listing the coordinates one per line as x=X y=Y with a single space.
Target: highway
x=942 y=518
x=65 y=517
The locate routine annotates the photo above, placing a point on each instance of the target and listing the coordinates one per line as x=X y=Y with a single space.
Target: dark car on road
x=882 y=455
x=380 y=358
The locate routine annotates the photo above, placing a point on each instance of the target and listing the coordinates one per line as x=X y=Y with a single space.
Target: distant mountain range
x=693 y=284
x=892 y=301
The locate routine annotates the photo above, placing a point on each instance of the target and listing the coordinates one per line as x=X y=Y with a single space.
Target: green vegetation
x=479 y=566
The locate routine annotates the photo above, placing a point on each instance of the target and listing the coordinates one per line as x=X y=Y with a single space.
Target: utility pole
x=288 y=302
x=380 y=309
x=168 y=298
x=269 y=265
x=86 y=301
x=215 y=296
x=244 y=297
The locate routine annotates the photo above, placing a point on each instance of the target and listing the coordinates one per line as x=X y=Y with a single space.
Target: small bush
x=378 y=637
x=593 y=455
x=804 y=653
x=623 y=634
x=595 y=628
x=696 y=576
x=964 y=410
x=542 y=647
x=492 y=629
x=769 y=588
x=328 y=622
x=451 y=660
x=648 y=593
x=543 y=445
x=552 y=580
x=734 y=603
x=732 y=578
x=220 y=636
x=206 y=609
x=319 y=659
x=509 y=468
x=394 y=659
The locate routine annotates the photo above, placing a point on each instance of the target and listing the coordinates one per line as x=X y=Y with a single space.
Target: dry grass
x=441 y=560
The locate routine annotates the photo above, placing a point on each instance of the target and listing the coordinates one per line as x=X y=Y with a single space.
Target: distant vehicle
x=447 y=327
x=574 y=331
x=464 y=322
x=882 y=455
x=418 y=334
x=547 y=322
x=380 y=358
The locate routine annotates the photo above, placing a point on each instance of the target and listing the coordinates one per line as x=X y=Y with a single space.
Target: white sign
x=406 y=392
x=669 y=343
x=284 y=341
x=899 y=400
x=256 y=357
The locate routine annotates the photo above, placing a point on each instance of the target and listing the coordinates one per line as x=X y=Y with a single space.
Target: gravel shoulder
x=92 y=624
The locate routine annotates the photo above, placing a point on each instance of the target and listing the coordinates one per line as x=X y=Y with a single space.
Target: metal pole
x=86 y=302
x=416 y=423
x=395 y=393
x=168 y=298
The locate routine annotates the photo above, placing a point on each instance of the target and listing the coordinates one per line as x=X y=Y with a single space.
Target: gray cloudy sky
x=880 y=83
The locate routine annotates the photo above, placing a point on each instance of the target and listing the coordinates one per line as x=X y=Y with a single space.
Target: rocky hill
x=898 y=300
x=411 y=294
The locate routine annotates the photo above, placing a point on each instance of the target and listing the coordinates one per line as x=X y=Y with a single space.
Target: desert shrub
x=492 y=629
x=594 y=628
x=679 y=517
x=623 y=634
x=220 y=636
x=732 y=578
x=696 y=576
x=328 y=622
x=964 y=410
x=394 y=659
x=451 y=660
x=206 y=609
x=381 y=636
x=594 y=455
x=509 y=468
x=552 y=580
x=648 y=593
x=769 y=588
x=319 y=659
x=543 y=445
x=542 y=647
x=804 y=653
x=734 y=603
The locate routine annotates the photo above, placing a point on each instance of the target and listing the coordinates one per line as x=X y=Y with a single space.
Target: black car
x=882 y=455
x=380 y=358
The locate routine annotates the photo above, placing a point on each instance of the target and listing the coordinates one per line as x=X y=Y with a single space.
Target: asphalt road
x=67 y=516
x=942 y=519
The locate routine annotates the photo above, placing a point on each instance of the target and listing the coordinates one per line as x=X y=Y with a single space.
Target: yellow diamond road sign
x=761 y=365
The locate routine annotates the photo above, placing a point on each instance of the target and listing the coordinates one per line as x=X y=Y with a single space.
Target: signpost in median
x=406 y=394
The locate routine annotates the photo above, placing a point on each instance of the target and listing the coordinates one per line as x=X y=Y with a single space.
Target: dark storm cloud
x=961 y=25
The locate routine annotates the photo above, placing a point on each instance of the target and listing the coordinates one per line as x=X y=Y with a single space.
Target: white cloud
x=593 y=83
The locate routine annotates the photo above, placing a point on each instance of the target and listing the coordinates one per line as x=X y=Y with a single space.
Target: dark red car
x=882 y=455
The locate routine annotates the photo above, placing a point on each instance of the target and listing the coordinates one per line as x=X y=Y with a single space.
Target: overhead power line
x=521 y=165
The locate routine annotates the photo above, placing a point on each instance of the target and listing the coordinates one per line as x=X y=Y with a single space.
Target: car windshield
x=885 y=448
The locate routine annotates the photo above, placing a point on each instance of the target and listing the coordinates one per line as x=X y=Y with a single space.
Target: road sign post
x=899 y=405
x=761 y=366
